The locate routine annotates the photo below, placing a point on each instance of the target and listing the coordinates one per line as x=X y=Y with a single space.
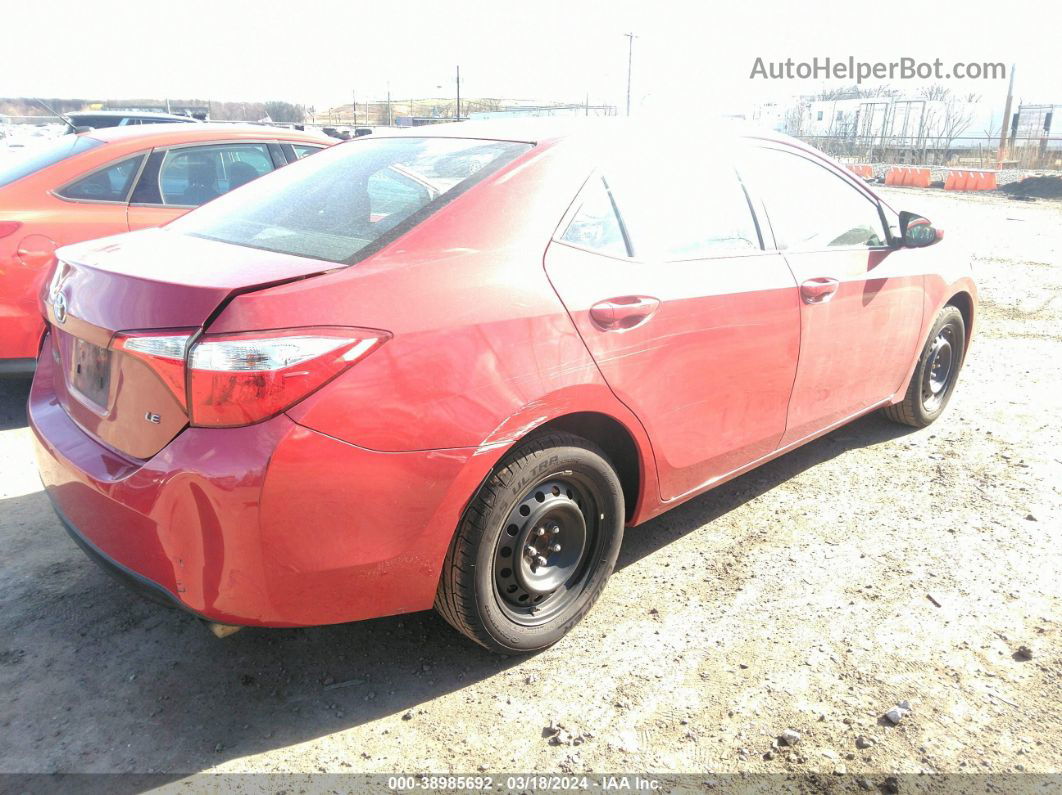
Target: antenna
x=56 y=113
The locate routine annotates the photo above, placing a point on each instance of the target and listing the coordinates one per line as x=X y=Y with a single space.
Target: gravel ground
x=876 y=565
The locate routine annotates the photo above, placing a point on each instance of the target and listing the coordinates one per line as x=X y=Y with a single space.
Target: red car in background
x=113 y=180
x=448 y=367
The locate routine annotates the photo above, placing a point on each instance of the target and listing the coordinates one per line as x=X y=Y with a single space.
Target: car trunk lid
x=150 y=280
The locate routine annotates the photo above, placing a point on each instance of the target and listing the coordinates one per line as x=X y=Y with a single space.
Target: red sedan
x=449 y=367
x=114 y=180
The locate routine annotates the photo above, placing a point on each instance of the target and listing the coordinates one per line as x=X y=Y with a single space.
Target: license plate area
x=90 y=371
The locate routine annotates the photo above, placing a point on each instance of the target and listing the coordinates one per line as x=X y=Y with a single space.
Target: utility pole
x=388 y=103
x=630 y=55
x=458 y=93
x=1003 y=125
x=354 y=105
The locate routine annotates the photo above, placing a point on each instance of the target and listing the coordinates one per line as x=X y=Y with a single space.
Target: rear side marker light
x=226 y=380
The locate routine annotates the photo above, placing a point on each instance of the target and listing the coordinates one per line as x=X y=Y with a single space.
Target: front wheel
x=535 y=546
x=936 y=373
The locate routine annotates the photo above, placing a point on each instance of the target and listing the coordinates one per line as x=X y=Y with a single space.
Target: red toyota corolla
x=448 y=368
x=118 y=179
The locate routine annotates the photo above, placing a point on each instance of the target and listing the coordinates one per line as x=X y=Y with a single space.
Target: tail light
x=9 y=228
x=226 y=380
x=164 y=353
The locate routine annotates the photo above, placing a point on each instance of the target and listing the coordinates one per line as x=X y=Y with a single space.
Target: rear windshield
x=24 y=164
x=347 y=201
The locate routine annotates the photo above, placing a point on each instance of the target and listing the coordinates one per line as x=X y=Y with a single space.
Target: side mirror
x=918 y=232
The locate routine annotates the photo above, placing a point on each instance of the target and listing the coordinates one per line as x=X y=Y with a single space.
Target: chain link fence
x=1041 y=153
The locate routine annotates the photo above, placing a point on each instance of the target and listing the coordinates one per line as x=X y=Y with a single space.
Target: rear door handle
x=818 y=290
x=624 y=312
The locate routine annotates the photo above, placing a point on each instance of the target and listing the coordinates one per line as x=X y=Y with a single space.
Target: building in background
x=934 y=127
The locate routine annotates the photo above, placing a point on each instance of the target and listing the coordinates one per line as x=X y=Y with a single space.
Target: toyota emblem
x=59 y=308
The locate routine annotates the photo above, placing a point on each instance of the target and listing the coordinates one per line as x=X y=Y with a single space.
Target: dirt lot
x=796 y=597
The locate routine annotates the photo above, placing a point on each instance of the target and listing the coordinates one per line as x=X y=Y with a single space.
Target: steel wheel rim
x=940 y=369
x=534 y=580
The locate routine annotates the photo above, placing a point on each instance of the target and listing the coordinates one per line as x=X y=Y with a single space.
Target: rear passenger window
x=683 y=209
x=109 y=184
x=304 y=150
x=595 y=225
x=810 y=207
x=194 y=175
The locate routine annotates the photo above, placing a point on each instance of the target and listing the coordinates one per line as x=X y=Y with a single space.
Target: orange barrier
x=962 y=179
x=908 y=176
x=864 y=171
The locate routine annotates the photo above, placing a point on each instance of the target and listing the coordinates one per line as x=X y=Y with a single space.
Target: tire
x=936 y=373
x=535 y=545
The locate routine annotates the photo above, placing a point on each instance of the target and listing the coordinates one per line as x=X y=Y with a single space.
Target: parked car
x=342 y=392
x=80 y=187
x=100 y=119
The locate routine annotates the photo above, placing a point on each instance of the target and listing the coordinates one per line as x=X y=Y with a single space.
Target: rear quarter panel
x=48 y=222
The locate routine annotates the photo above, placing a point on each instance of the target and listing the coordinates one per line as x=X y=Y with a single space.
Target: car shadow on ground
x=175 y=699
x=14 y=390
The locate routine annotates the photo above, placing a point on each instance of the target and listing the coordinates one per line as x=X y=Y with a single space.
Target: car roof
x=552 y=128
x=129 y=114
x=162 y=134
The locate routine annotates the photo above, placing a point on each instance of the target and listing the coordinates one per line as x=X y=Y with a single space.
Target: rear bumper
x=151 y=591
x=268 y=525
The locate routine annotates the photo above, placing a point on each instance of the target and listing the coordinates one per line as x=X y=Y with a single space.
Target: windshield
x=35 y=159
x=345 y=202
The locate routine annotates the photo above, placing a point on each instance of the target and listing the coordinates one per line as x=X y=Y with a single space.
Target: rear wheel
x=535 y=546
x=936 y=373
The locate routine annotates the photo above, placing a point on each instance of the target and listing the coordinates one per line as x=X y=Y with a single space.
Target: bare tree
x=947 y=116
x=284 y=112
x=795 y=116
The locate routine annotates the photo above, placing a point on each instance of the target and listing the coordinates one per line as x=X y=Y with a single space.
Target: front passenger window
x=811 y=208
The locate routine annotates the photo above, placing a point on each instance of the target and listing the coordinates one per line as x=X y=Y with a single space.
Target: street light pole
x=458 y=93
x=1005 y=124
x=630 y=55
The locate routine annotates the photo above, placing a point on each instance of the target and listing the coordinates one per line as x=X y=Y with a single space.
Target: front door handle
x=818 y=290
x=624 y=312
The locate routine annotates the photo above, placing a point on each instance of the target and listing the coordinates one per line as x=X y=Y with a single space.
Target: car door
x=179 y=178
x=694 y=326
x=861 y=299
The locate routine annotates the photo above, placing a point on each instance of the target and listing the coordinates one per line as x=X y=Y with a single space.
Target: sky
x=686 y=54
